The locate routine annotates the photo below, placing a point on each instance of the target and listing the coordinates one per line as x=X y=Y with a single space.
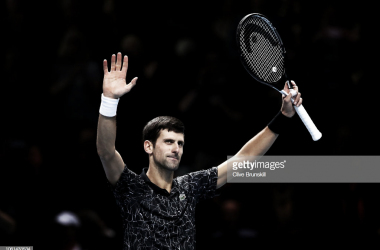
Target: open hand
x=114 y=83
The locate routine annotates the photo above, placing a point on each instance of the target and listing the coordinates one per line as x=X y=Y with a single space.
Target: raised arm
x=260 y=143
x=114 y=86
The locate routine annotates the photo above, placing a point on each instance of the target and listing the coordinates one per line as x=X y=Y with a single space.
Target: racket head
x=262 y=52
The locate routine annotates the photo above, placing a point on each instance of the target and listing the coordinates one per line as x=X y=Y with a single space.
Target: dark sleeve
x=202 y=184
x=124 y=185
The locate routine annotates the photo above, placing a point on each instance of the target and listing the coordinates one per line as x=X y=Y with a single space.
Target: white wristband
x=108 y=106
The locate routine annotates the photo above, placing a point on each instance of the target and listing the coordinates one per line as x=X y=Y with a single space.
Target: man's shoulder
x=128 y=179
x=128 y=174
x=196 y=175
x=200 y=184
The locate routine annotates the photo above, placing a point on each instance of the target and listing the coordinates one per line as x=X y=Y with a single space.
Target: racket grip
x=314 y=132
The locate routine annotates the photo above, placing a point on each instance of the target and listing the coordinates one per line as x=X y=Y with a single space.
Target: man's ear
x=148 y=147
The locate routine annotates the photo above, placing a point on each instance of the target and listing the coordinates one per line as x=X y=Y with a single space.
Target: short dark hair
x=153 y=128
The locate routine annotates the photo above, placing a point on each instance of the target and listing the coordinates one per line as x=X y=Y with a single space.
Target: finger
x=286 y=88
x=105 y=67
x=295 y=87
x=293 y=92
x=288 y=98
x=130 y=85
x=299 y=103
x=125 y=64
x=113 y=65
x=134 y=81
x=118 y=62
x=297 y=98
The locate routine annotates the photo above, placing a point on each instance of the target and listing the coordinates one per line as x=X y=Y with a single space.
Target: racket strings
x=261 y=50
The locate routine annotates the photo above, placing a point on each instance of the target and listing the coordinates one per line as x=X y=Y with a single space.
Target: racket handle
x=314 y=132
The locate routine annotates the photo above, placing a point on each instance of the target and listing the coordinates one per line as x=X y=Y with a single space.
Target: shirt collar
x=156 y=188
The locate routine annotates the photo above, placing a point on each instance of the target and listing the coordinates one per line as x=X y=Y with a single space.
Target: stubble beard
x=167 y=164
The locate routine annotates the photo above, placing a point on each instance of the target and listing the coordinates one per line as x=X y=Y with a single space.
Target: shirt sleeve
x=202 y=184
x=124 y=185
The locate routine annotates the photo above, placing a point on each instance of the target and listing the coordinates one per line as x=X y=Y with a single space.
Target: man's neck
x=160 y=177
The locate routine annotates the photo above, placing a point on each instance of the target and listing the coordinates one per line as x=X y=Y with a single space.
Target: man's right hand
x=114 y=83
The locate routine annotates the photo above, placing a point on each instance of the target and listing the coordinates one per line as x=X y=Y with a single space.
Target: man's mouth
x=173 y=157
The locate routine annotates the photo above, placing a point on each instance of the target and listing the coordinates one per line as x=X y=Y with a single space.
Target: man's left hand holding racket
x=287 y=108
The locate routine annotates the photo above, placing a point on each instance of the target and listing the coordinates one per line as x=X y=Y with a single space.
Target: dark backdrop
x=185 y=55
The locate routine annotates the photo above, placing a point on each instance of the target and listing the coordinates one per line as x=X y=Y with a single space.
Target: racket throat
x=288 y=81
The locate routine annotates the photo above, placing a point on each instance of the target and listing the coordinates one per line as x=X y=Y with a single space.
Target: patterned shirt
x=152 y=217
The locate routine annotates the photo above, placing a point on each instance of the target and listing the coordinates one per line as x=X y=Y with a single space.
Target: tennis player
x=158 y=211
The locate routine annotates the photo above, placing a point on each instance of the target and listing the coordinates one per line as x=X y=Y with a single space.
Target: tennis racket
x=262 y=54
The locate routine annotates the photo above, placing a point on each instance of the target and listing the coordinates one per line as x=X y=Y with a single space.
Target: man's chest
x=159 y=208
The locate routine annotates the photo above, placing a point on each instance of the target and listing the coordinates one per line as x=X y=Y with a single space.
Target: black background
x=51 y=86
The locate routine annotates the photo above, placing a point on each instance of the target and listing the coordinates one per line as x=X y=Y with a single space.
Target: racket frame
x=284 y=75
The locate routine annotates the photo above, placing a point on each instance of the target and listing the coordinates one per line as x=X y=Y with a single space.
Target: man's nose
x=175 y=147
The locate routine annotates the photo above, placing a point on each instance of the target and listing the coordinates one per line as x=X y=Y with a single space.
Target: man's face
x=168 y=150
